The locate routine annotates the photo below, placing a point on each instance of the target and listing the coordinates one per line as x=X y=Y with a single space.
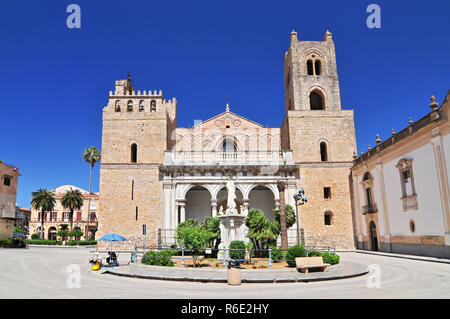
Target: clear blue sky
x=54 y=81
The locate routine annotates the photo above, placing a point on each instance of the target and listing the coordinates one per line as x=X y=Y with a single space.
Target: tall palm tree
x=44 y=201
x=283 y=227
x=72 y=200
x=92 y=156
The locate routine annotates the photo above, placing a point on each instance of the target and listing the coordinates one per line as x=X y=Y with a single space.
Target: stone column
x=213 y=207
x=182 y=204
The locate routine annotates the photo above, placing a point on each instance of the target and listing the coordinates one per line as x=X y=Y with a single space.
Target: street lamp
x=300 y=199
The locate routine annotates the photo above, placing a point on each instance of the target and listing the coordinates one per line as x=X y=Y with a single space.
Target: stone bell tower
x=137 y=130
x=322 y=138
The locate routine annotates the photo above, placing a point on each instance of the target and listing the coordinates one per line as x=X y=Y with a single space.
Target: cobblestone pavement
x=48 y=273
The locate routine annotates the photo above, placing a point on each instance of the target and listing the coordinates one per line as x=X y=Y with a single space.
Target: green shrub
x=293 y=252
x=160 y=258
x=331 y=259
x=5 y=242
x=314 y=253
x=277 y=254
x=35 y=236
x=237 y=254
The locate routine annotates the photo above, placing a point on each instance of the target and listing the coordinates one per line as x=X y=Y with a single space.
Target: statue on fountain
x=231 y=204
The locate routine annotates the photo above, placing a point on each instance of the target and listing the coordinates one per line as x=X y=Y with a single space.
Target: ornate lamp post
x=300 y=199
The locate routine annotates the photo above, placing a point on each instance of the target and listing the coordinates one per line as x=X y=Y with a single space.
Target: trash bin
x=234 y=275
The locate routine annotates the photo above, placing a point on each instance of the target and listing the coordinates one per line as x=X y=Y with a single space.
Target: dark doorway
x=373 y=236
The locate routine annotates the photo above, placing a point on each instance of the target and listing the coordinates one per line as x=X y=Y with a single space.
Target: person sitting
x=112 y=259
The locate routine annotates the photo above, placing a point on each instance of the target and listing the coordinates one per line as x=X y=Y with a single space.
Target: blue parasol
x=112 y=237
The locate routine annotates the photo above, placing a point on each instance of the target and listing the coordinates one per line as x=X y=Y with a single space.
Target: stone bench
x=305 y=263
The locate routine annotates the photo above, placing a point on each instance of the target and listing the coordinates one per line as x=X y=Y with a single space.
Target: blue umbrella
x=112 y=237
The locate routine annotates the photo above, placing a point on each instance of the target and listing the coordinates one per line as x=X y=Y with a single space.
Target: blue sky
x=54 y=80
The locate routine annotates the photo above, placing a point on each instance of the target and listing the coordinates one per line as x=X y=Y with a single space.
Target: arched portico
x=198 y=203
x=263 y=197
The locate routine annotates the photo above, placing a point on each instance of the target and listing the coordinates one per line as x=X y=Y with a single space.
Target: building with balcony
x=84 y=219
x=400 y=189
x=9 y=178
x=156 y=174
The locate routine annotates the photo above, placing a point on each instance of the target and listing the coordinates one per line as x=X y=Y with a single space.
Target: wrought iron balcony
x=369 y=209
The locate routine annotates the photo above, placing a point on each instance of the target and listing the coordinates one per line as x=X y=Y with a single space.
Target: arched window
x=328 y=218
x=117 y=107
x=141 y=106
x=316 y=101
x=309 y=66
x=133 y=153
x=130 y=106
x=153 y=105
x=228 y=146
x=323 y=152
x=317 y=67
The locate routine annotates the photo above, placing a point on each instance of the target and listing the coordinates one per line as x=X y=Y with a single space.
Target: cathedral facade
x=154 y=175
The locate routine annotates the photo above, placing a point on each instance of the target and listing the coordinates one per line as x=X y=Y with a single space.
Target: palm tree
x=72 y=200
x=92 y=156
x=44 y=201
x=284 y=240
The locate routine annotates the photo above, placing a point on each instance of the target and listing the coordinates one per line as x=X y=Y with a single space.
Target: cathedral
x=155 y=175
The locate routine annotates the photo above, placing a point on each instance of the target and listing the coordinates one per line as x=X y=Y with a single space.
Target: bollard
x=224 y=259
x=270 y=258
x=182 y=257
x=234 y=275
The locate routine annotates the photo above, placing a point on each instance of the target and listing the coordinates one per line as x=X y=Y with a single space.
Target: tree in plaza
x=261 y=231
x=63 y=231
x=43 y=200
x=212 y=224
x=91 y=155
x=76 y=233
x=72 y=200
x=290 y=216
x=193 y=237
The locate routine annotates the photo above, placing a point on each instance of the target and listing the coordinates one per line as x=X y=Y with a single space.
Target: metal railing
x=222 y=255
x=368 y=209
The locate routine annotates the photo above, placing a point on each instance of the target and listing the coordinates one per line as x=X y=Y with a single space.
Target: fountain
x=232 y=225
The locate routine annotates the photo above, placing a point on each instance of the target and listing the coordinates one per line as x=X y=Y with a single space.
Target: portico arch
x=198 y=203
x=262 y=197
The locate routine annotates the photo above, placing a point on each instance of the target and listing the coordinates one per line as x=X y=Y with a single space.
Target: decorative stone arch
x=130 y=106
x=233 y=138
x=254 y=200
x=51 y=234
x=313 y=55
x=321 y=93
x=186 y=188
x=197 y=202
x=215 y=190
x=319 y=142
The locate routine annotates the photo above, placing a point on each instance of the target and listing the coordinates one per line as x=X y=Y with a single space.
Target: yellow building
x=84 y=219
